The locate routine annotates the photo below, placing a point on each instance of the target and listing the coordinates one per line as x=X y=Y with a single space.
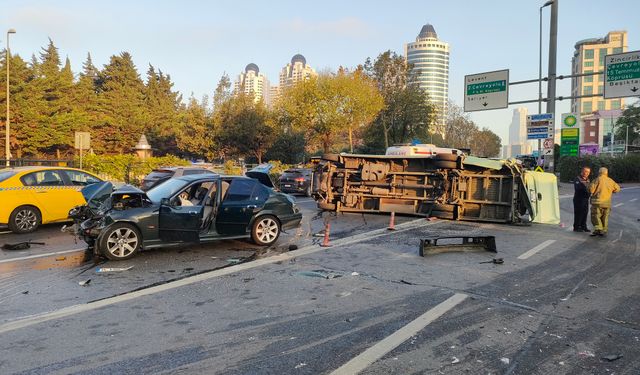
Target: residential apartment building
x=588 y=57
x=429 y=57
x=252 y=82
x=296 y=70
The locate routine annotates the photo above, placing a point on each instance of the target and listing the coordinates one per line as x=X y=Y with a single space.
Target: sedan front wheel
x=265 y=230
x=121 y=241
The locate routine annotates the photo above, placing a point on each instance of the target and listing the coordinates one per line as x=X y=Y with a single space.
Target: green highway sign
x=486 y=91
x=622 y=75
x=487 y=87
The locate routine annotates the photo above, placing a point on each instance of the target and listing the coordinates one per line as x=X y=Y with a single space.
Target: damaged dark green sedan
x=189 y=209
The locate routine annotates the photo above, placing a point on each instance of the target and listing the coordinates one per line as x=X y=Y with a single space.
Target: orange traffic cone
x=327 y=229
x=392 y=222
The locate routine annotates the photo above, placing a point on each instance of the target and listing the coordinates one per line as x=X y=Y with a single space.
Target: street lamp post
x=7 y=152
x=540 y=72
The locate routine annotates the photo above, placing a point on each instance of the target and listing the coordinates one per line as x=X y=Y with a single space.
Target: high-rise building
x=252 y=82
x=588 y=57
x=429 y=57
x=295 y=71
x=518 y=142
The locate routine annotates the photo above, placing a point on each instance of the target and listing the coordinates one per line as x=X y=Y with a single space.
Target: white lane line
x=565 y=196
x=633 y=200
x=42 y=255
x=76 y=309
x=619 y=237
x=391 y=342
x=536 y=249
x=618 y=205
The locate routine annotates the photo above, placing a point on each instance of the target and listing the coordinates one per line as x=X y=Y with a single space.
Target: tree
x=486 y=144
x=462 y=132
x=162 y=110
x=630 y=119
x=194 y=137
x=407 y=112
x=244 y=127
x=122 y=105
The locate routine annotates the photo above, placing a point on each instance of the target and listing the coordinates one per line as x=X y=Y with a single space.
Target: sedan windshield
x=166 y=190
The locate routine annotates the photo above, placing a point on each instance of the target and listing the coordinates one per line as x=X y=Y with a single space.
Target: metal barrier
x=38 y=162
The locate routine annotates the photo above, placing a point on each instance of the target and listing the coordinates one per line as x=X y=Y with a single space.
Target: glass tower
x=429 y=57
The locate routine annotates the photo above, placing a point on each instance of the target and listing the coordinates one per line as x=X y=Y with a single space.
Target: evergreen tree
x=121 y=104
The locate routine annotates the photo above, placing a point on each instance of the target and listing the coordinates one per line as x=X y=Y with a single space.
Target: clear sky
x=197 y=41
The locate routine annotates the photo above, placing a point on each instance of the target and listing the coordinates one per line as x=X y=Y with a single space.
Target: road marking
x=533 y=251
x=391 y=342
x=76 y=309
x=618 y=205
x=565 y=196
x=633 y=200
x=619 y=237
x=42 y=255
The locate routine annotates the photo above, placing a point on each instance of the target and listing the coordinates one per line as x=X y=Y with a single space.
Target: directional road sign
x=622 y=75
x=486 y=91
x=540 y=126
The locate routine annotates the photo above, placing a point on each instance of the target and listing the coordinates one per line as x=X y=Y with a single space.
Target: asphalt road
x=560 y=303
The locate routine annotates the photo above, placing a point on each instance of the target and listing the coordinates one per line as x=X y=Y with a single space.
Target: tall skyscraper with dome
x=429 y=57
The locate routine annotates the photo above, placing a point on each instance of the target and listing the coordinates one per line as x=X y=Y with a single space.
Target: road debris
x=616 y=321
x=354 y=273
x=430 y=245
x=84 y=282
x=320 y=273
x=60 y=259
x=494 y=261
x=293 y=247
x=505 y=360
x=112 y=269
x=20 y=245
x=454 y=360
x=300 y=365
x=25 y=292
x=612 y=357
x=586 y=354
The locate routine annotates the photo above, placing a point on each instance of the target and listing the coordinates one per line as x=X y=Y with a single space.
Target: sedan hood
x=261 y=173
x=96 y=194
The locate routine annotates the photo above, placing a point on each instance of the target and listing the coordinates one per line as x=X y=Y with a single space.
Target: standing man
x=581 y=200
x=601 y=190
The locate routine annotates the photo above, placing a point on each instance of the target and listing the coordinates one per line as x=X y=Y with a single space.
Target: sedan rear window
x=6 y=174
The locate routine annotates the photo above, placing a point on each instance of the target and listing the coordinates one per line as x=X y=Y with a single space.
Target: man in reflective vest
x=601 y=190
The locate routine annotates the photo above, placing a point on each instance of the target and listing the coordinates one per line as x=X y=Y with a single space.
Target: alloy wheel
x=122 y=242
x=26 y=220
x=267 y=230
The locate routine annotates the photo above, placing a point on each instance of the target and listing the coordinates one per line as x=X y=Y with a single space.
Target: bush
x=231 y=168
x=621 y=168
x=128 y=168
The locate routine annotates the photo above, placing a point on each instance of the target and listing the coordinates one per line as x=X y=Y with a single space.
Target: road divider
x=391 y=342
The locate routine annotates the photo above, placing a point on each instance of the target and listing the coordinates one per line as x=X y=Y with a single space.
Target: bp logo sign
x=569 y=120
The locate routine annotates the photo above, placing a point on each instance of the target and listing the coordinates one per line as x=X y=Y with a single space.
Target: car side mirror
x=165 y=202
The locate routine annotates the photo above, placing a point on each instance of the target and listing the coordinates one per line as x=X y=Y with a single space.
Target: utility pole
x=7 y=151
x=551 y=86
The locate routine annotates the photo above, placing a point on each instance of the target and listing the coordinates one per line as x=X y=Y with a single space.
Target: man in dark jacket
x=581 y=200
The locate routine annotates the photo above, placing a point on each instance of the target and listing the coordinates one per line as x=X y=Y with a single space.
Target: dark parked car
x=188 y=209
x=160 y=175
x=297 y=180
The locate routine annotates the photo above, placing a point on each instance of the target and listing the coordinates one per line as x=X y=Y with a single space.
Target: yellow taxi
x=30 y=196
